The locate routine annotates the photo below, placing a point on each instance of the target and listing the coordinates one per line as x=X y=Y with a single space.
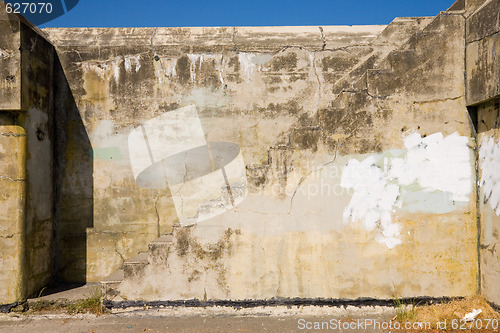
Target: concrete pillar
x=12 y=214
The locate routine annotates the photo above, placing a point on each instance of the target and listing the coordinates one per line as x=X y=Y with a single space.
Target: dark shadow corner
x=73 y=185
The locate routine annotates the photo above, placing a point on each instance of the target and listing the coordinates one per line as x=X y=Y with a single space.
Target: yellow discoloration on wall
x=289 y=125
x=339 y=264
x=96 y=82
x=12 y=220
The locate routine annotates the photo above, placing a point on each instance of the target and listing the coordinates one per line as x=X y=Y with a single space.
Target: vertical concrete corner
x=483 y=98
x=12 y=214
x=26 y=157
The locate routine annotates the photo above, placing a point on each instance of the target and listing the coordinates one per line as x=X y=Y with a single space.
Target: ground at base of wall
x=79 y=314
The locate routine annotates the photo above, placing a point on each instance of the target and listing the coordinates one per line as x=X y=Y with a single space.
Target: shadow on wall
x=73 y=184
x=486 y=117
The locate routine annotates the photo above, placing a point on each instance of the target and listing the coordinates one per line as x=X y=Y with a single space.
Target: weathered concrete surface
x=73 y=183
x=12 y=218
x=332 y=162
x=264 y=319
x=27 y=88
x=489 y=158
x=483 y=91
x=396 y=33
x=483 y=48
x=37 y=118
x=10 y=62
x=125 y=226
x=325 y=104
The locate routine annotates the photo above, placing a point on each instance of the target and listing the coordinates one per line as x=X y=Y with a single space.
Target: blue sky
x=192 y=13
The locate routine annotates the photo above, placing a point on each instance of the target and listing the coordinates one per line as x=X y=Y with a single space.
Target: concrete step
x=393 y=37
x=141 y=258
x=346 y=99
x=159 y=250
x=168 y=238
x=109 y=286
x=135 y=267
x=116 y=277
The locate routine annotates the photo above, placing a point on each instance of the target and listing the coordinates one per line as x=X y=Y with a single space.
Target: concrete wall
x=112 y=79
x=317 y=191
x=489 y=157
x=27 y=103
x=483 y=94
x=12 y=236
x=285 y=162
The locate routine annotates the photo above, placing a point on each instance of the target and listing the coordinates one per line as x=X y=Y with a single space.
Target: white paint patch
x=430 y=164
x=436 y=164
x=132 y=59
x=489 y=162
x=104 y=70
x=247 y=65
x=165 y=69
x=195 y=61
x=373 y=199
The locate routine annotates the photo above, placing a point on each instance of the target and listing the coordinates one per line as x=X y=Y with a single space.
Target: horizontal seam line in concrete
x=439 y=100
x=13 y=134
x=481 y=38
x=12 y=179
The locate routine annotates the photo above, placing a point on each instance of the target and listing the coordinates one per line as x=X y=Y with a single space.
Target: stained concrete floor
x=192 y=319
x=117 y=323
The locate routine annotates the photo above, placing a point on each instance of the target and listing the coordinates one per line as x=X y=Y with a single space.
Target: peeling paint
x=429 y=166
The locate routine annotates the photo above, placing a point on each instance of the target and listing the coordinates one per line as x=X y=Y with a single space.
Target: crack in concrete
x=439 y=100
x=118 y=252
x=108 y=60
x=312 y=55
x=488 y=248
x=183 y=183
x=286 y=47
x=375 y=96
x=233 y=39
x=8 y=236
x=323 y=38
x=345 y=48
x=157 y=215
x=482 y=38
x=153 y=48
x=306 y=176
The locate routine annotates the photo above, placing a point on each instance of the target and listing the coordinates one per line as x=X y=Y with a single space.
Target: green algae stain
x=108 y=154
